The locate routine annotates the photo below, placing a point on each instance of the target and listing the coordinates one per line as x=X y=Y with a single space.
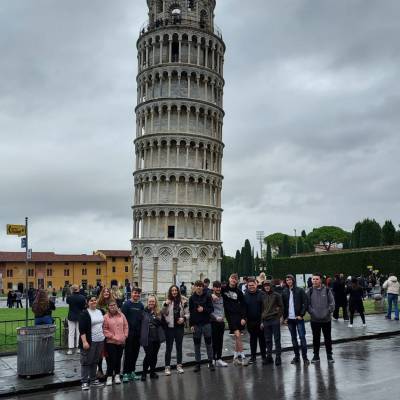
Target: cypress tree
x=388 y=234
x=370 y=233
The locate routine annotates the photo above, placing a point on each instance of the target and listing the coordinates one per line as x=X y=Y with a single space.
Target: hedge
x=349 y=262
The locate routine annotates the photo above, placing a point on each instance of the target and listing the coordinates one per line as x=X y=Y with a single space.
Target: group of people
x=14 y=299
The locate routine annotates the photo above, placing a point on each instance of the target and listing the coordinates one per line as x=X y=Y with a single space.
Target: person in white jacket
x=392 y=288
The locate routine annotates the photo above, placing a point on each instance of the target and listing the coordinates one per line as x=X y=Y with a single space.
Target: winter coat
x=200 y=318
x=299 y=300
x=339 y=292
x=77 y=304
x=356 y=298
x=148 y=318
x=321 y=304
x=115 y=328
x=272 y=306
x=392 y=285
x=168 y=312
x=254 y=303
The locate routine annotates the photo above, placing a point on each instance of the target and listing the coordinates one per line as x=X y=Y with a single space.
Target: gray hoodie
x=321 y=304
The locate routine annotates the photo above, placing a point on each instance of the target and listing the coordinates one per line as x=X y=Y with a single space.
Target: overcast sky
x=312 y=103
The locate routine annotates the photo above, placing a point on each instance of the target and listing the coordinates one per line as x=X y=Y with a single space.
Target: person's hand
x=200 y=309
x=214 y=297
x=243 y=322
x=220 y=319
x=285 y=322
x=299 y=318
x=192 y=329
x=181 y=321
x=168 y=302
x=86 y=346
x=262 y=327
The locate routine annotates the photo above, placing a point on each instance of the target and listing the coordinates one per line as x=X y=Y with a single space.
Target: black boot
x=211 y=366
x=269 y=360
x=278 y=361
x=197 y=368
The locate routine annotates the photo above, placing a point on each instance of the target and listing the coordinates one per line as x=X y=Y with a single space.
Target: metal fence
x=8 y=334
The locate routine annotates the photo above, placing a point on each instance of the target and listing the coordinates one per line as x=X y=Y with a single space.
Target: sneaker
x=387 y=317
x=167 y=371
x=197 y=368
x=236 y=362
x=245 y=362
x=153 y=375
x=330 y=359
x=306 y=362
x=134 y=377
x=295 y=360
x=85 y=386
x=69 y=353
x=179 y=369
x=269 y=360
x=126 y=378
x=211 y=366
x=278 y=361
x=109 y=381
x=364 y=325
x=253 y=360
x=221 y=363
x=78 y=351
x=96 y=383
x=100 y=375
x=117 y=379
x=350 y=325
x=315 y=360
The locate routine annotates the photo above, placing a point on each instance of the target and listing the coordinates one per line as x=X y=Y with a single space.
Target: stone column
x=155 y=274
x=161 y=51
x=174 y=270
x=140 y=272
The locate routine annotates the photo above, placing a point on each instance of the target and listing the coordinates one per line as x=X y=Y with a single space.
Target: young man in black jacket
x=200 y=309
x=294 y=309
x=253 y=299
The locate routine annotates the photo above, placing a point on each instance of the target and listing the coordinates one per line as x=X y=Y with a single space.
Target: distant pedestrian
x=183 y=289
x=243 y=285
x=392 y=288
x=356 y=295
x=321 y=305
x=128 y=291
x=207 y=288
x=9 y=299
x=42 y=308
x=18 y=299
x=340 y=295
x=91 y=342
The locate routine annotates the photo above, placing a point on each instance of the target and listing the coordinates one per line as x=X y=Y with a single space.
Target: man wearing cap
x=272 y=310
x=294 y=308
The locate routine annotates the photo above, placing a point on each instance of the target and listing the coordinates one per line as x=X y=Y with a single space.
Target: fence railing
x=8 y=334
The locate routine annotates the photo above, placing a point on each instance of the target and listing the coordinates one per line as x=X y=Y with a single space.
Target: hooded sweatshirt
x=272 y=307
x=392 y=285
x=321 y=304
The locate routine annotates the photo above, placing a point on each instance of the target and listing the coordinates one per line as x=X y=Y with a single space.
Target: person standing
x=218 y=325
x=392 y=288
x=339 y=293
x=76 y=303
x=133 y=311
x=207 y=288
x=151 y=337
x=200 y=310
x=253 y=299
x=183 y=289
x=272 y=310
x=175 y=312
x=91 y=342
x=128 y=291
x=235 y=311
x=115 y=329
x=19 y=299
x=356 y=304
x=294 y=308
x=321 y=305
x=42 y=308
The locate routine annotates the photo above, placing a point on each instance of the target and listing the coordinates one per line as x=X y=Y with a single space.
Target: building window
x=50 y=272
x=97 y=263
x=126 y=259
x=98 y=271
x=84 y=271
x=49 y=263
x=126 y=268
x=9 y=273
x=66 y=283
x=113 y=259
x=66 y=263
x=31 y=272
x=113 y=269
x=66 y=272
x=9 y=285
x=171 y=231
x=49 y=284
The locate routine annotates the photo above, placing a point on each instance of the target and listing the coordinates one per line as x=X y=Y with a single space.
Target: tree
x=237 y=262
x=328 y=235
x=388 y=234
x=285 y=250
x=227 y=267
x=269 y=257
x=370 y=233
x=303 y=234
x=248 y=260
x=355 y=236
x=300 y=245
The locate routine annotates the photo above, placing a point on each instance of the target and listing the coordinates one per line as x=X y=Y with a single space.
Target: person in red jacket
x=115 y=330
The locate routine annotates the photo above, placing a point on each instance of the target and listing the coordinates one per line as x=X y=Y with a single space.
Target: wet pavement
x=67 y=368
x=363 y=370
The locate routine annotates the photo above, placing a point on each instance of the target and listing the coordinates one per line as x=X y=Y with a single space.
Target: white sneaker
x=117 y=379
x=245 y=362
x=109 y=381
x=85 y=386
x=167 y=371
x=69 y=352
x=364 y=325
x=236 y=361
x=179 y=369
x=78 y=350
x=221 y=363
x=350 y=325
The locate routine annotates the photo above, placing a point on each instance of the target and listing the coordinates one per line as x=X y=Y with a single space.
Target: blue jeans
x=46 y=320
x=393 y=300
x=298 y=327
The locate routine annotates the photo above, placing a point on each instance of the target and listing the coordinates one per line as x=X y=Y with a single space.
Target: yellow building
x=50 y=270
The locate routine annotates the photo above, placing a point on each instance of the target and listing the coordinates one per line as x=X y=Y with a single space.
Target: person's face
x=113 y=308
x=316 y=281
x=198 y=290
x=217 y=290
x=267 y=288
x=151 y=303
x=92 y=303
x=289 y=282
x=233 y=281
x=106 y=294
x=251 y=287
x=174 y=292
x=135 y=296
x=206 y=284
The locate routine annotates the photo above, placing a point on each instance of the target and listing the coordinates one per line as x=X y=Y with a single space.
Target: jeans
x=46 y=320
x=132 y=347
x=114 y=356
x=272 y=328
x=217 y=331
x=199 y=331
x=256 y=335
x=326 y=328
x=174 y=334
x=393 y=300
x=298 y=327
x=73 y=334
x=150 y=359
x=89 y=360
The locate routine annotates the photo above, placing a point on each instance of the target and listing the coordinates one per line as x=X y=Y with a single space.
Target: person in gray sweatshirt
x=321 y=305
x=218 y=325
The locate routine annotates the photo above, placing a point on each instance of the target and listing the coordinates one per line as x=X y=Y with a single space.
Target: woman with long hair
x=42 y=308
x=152 y=335
x=175 y=313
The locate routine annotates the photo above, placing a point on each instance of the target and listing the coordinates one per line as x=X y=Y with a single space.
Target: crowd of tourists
x=102 y=326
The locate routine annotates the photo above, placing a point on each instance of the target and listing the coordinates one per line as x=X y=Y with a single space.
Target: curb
x=67 y=384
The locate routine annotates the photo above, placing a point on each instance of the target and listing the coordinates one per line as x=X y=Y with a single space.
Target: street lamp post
x=295 y=239
x=260 y=238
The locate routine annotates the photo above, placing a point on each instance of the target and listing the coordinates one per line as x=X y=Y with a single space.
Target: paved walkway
x=67 y=368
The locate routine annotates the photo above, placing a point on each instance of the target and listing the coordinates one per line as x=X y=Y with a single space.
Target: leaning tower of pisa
x=179 y=117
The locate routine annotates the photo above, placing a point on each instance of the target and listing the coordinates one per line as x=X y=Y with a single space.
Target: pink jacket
x=115 y=328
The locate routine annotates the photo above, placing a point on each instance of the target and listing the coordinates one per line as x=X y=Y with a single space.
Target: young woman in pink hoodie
x=115 y=329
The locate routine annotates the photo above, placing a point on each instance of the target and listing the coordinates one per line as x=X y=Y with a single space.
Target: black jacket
x=299 y=299
x=77 y=304
x=148 y=318
x=200 y=318
x=85 y=327
x=356 y=298
x=254 y=302
x=234 y=303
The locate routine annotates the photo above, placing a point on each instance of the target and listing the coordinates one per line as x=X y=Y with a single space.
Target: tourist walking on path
x=42 y=308
x=133 y=311
x=356 y=304
x=235 y=311
x=272 y=311
x=91 y=342
x=340 y=295
x=392 y=288
x=218 y=325
x=294 y=308
x=76 y=303
x=175 y=312
x=115 y=329
x=321 y=305
x=151 y=337
x=253 y=299
x=200 y=310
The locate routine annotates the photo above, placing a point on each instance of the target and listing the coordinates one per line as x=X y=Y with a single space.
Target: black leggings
x=353 y=311
x=174 y=334
x=150 y=359
x=114 y=356
x=217 y=332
